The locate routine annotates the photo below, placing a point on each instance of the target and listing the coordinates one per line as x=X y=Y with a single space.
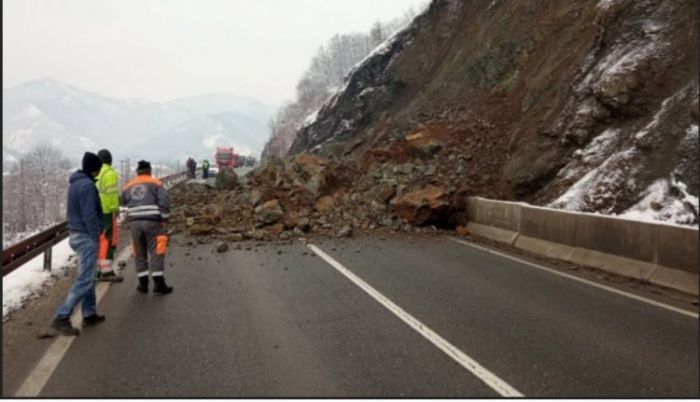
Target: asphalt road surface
x=404 y=317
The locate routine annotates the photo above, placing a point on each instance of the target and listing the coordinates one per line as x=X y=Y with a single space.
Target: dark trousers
x=150 y=242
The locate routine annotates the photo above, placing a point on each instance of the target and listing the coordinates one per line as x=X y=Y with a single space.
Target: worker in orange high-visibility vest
x=148 y=207
x=108 y=188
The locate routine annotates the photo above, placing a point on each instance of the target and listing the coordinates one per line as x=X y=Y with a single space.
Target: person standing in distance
x=148 y=207
x=191 y=167
x=205 y=169
x=85 y=227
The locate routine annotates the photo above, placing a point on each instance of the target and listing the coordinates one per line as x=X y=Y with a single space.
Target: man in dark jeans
x=85 y=226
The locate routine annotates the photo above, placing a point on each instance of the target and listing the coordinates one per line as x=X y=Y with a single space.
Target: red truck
x=225 y=158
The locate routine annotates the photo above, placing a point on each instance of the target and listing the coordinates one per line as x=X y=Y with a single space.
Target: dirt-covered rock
x=222 y=247
x=269 y=212
x=325 y=204
x=421 y=206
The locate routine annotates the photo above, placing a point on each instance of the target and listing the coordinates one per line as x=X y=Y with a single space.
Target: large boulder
x=259 y=195
x=313 y=172
x=269 y=212
x=422 y=206
x=310 y=164
x=271 y=173
x=226 y=179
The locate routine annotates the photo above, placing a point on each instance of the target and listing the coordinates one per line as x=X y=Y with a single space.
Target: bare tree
x=34 y=192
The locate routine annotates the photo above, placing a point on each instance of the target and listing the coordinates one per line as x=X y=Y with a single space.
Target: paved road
x=277 y=320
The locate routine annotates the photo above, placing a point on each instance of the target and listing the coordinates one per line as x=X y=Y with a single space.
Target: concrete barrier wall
x=625 y=238
x=678 y=248
x=551 y=225
x=660 y=253
x=504 y=215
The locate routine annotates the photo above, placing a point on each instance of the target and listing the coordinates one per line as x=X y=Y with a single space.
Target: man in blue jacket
x=85 y=226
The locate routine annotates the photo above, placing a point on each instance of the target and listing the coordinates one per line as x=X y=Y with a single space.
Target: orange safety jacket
x=145 y=198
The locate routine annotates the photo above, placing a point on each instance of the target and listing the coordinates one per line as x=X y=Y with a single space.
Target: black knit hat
x=91 y=163
x=106 y=156
x=143 y=167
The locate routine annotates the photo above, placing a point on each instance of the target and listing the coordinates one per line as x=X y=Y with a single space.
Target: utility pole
x=121 y=173
x=22 y=203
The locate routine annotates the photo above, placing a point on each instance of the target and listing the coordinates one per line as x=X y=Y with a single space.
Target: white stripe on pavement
x=576 y=278
x=37 y=379
x=490 y=379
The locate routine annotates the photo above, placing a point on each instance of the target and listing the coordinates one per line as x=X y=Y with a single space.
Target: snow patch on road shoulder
x=25 y=283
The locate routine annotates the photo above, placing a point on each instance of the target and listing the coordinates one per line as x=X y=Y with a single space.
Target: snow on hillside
x=665 y=201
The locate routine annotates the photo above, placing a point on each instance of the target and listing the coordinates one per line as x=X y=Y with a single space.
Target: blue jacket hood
x=79 y=175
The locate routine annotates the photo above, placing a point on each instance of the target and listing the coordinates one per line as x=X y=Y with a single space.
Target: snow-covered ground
x=14 y=238
x=23 y=283
x=665 y=201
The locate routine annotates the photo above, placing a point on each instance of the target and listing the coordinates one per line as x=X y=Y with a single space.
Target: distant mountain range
x=75 y=121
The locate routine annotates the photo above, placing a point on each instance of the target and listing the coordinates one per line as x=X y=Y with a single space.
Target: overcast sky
x=166 y=49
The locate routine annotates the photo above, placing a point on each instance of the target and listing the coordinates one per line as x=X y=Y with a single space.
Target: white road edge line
x=490 y=379
x=576 y=278
x=37 y=379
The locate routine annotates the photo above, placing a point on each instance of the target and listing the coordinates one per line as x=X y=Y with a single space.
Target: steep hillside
x=582 y=105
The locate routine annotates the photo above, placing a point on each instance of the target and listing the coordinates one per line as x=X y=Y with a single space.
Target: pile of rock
x=313 y=196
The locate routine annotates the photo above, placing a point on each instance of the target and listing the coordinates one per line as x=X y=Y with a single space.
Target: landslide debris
x=309 y=195
x=580 y=105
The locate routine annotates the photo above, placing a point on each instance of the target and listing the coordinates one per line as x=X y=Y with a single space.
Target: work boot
x=64 y=327
x=91 y=320
x=109 y=276
x=143 y=284
x=160 y=288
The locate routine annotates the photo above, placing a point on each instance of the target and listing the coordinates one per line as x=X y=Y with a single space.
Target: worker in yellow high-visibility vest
x=108 y=188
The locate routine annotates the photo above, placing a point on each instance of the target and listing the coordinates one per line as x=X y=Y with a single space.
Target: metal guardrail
x=173 y=179
x=19 y=254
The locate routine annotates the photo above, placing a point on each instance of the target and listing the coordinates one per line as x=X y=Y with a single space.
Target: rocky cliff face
x=581 y=105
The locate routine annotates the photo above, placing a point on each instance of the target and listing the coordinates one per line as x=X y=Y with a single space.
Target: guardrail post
x=47 y=259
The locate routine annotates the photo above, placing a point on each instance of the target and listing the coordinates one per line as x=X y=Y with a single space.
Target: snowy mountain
x=224 y=103
x=199 y=137
x=75 y=120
